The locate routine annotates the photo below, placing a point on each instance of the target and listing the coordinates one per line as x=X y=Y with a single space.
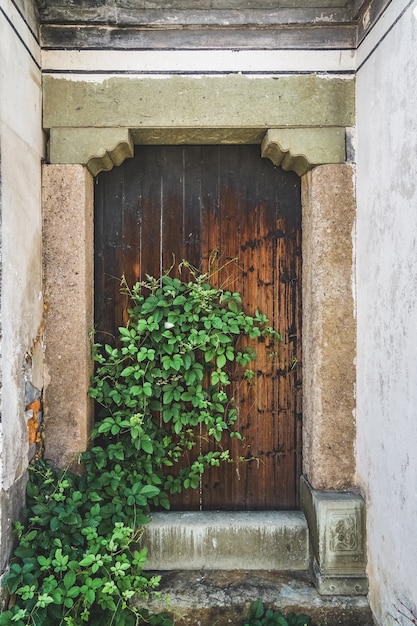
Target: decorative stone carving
x=343 y=533
x=336 y=522
x=97 y=148
x=301 y=149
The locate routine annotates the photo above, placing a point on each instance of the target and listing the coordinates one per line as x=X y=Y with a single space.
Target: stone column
x=329 y=329
x=68 y=200
x=335 y=514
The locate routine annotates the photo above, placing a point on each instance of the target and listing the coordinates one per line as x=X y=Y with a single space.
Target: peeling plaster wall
x=387 y=305
x=21 y=150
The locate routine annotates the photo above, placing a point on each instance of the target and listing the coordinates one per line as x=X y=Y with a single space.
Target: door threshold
x=227 y=540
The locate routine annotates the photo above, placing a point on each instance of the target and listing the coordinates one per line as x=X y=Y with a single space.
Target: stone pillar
x=328 y=327
x=68 y=199
x=335 y=514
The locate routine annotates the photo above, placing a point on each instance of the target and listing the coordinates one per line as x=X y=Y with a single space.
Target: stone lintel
x=336 y=522
x=97 y=148
x=308 y=112
x=67 y=196
x=230 y=101
x=301 y=149
x=329 y=328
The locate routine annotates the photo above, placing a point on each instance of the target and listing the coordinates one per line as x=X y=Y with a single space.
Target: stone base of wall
x=336 y=522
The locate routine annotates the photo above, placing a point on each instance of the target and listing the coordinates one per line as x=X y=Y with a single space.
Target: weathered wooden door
x=223 y=207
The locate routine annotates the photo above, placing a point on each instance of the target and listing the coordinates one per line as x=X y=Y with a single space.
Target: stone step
x=222 y=540
x=223 y=598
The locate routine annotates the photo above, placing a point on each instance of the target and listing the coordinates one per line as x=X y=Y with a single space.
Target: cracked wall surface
x=21 y=309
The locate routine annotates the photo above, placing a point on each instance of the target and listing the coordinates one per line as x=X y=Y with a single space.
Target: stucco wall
x=22 y=146
x=387 y=305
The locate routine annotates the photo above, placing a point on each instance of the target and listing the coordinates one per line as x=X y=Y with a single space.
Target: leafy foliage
x=258 y=615
x=164 y=384
x=77 y=561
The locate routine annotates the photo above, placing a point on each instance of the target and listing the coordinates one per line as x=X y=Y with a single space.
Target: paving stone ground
x=222 y=598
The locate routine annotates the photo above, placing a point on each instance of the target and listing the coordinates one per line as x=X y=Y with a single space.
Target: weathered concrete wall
x=22 y=147
x=387 y=306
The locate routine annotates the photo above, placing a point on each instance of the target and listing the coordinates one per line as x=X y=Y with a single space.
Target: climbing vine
x=161 y=389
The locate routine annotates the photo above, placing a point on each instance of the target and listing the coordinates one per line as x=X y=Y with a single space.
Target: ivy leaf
x=87 y=560
x=221 y=361
x=127 y=371
x=149 y=491
x=69 y=579
x=146 y=445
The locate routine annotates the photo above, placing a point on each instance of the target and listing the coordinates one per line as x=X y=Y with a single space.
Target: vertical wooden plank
x=193 y=174
x=211 y=223
x=172 y=207
x=266 y=401
x=191 y=165
x=181 y=241
x=108 y=227
x=152 y=164
x=128 y=248
x=218 y=485
x=254 y=259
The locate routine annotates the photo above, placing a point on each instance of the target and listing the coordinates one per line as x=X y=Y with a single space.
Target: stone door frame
x=317 y=154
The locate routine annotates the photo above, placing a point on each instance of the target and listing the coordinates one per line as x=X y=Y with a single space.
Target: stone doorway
x=82 y=145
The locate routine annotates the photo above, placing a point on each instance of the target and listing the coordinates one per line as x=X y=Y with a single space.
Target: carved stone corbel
x=97 y=148
x=301 y=149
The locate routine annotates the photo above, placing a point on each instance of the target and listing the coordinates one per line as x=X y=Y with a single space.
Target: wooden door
x=223 y=207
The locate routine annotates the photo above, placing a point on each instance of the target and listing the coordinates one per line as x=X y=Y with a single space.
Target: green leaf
x=6 y=619
x=69 y=579
x=73 y=592
x=149 y=491
x=87 y=560
x=147 y=389
x=221 y=361
x=146 y=445
x=257 y=608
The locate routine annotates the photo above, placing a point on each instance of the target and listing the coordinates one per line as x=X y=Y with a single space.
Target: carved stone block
x=336 y=522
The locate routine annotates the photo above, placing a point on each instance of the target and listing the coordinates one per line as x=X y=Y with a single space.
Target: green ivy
x=165 y=383
x=258 y=615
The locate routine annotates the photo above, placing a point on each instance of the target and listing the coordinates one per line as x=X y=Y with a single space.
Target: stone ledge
x=254 y=540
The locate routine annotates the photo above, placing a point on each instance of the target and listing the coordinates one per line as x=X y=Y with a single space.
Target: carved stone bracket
x=298 y=149
x=336 y=522
x=97 y=148
x=301 y=149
